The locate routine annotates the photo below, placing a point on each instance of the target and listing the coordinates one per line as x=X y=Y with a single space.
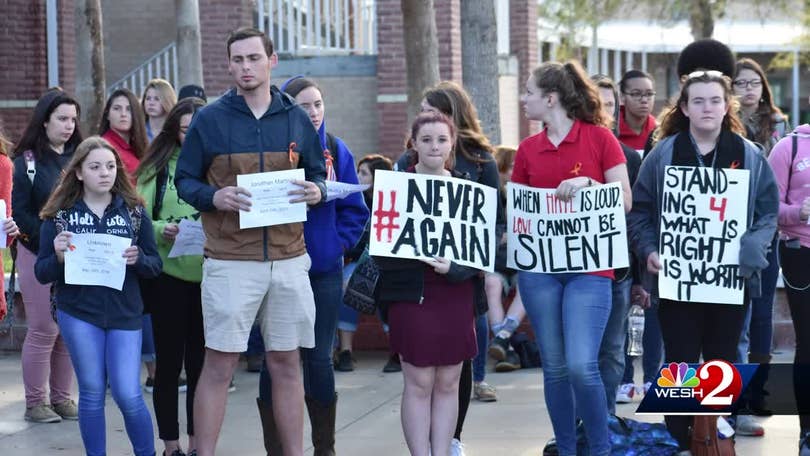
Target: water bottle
x=635 y=331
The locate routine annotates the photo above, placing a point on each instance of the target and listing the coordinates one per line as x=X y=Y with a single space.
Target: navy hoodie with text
x=104 y=307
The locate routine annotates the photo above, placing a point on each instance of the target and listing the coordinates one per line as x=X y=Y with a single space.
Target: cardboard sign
x=421 y=216
x=545 y=234
x=704 y=212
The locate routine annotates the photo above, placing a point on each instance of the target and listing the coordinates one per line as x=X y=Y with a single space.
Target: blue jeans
x=653 y=345
x=569 y=313
x=319 y=375
x=611 y=352
x=758 y=326
x=479 y=365
x=102 y=356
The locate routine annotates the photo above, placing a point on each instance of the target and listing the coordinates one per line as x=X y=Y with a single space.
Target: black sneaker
x=344 y=361
x=393 y=364
x=149 y=386
x=510 y=363
x=231 y=386
x=498 y=348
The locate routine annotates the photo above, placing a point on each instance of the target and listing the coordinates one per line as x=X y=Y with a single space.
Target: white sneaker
x=625 y=393
x=746 y=425
x=456 y=448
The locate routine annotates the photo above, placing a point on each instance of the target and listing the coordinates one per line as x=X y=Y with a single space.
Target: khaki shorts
x=276 y=294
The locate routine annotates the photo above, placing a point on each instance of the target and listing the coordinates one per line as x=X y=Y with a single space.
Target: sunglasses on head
x=705 y=73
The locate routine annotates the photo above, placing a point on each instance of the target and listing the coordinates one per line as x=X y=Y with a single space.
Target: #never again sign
x=417 y=216
x=704 y=212
x=587 y=233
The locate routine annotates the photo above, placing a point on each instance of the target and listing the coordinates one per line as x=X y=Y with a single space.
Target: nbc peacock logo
x=715 y=383
x=678 y=375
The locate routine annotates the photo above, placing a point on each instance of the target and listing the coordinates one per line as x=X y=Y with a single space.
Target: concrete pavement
x=367 y=420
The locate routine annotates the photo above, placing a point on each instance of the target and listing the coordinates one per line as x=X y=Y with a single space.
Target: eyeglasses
x=638 y=95
x=705 y=73
x=744 y=83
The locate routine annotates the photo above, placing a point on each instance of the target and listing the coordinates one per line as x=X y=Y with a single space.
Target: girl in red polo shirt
x=569 y=311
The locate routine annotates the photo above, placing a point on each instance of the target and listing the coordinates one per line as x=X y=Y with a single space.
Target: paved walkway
x=367 y=422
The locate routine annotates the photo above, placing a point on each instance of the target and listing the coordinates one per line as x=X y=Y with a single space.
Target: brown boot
x=272 y=443
x=322 y=418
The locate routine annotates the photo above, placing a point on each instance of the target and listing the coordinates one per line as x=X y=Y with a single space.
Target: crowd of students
x=158 y=161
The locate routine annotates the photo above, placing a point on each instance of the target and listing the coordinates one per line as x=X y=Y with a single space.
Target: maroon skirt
x=440 y=330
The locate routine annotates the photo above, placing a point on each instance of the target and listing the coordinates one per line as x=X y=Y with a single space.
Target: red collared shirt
x=632 y=139
x=588 y=150
x=125 y=151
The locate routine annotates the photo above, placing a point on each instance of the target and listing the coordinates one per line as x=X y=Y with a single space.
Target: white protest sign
x=587 y=233
x=704 y=212
x=190 y=239
x=270 y=203
x=421 y=216
x=96 y=259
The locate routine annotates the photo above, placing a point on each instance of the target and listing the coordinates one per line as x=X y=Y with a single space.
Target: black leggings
x=797 y=286
x=464 y=393
x=691 y=329
x=178 y=326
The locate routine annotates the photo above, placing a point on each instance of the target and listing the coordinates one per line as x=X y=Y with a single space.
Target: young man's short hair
x=249 y=32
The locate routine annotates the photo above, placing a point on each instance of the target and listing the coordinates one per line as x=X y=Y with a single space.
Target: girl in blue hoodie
x=331 y=229
x=101 y=325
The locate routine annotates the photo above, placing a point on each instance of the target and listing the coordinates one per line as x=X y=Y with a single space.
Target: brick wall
x=448 y=25
x=133 y=32
x=523 y=43
x=217 y=19
x=391 y=79
x=23 y=49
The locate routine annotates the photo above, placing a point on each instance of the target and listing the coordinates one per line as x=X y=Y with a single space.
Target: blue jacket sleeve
x=191 y=169
x=352 y=212
x=311 y=151
x=149 y=263
x=47 y=268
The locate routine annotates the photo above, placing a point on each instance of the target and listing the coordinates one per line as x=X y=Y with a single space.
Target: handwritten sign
x=704 y=212
x=96 y=259
x=545 y=234
x=270 y=201
x=418 y=216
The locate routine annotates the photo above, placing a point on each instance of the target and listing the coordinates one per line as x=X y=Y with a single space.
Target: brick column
x=392 y=84
x=217 y=19
x=24 y=80
x=523 y=43
x=448 y=26
x=67 y=45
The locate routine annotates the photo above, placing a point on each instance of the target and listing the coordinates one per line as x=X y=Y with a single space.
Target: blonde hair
x=168 y=98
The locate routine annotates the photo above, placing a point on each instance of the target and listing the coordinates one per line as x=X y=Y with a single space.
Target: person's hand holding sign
x=232 y=199
x=653 y=263
x=309 y=193
x=61 y=243
x=569 y=187
x=131 y=254
x=170 y=232
x=440 y=265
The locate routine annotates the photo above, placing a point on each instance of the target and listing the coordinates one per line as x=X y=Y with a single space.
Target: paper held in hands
x=270 y=200
x=96 y=259
x=190 y=239
x=339 y=190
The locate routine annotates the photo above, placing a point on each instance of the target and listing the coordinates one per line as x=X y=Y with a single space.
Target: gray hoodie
x=644 y=221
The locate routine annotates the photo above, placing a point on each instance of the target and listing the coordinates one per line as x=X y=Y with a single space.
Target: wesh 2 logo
x=713 y=385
